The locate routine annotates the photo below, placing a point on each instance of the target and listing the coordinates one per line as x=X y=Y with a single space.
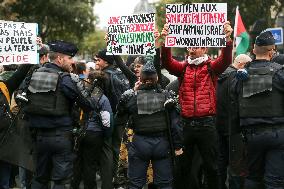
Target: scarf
x=198 y=61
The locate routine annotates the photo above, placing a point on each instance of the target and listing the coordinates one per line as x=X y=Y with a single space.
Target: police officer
x=147 y=117
x=51 y=93
x=261 y=112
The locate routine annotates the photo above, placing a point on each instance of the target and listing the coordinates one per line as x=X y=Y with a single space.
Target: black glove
x=80 y=85
x=170 y=103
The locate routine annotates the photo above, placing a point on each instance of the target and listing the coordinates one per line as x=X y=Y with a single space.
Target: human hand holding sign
x=39 y=41
x=165 y=30
x=106 y=38
x=228 y=30
x=157 y=37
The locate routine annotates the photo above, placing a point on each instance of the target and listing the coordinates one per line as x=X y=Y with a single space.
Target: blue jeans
x=265 y=158
x=5 y=172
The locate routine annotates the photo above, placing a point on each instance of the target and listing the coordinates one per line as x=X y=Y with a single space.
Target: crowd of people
x=218 y=125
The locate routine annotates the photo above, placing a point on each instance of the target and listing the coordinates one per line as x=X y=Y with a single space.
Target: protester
x=227 y=123
x=198 y=100
x=98 y=126
x=8 y=71
x=81 y=70
x=44 y=54
x=278 y=58
x=7 y=88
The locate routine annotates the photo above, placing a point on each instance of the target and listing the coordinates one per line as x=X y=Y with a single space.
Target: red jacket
x=197 y=94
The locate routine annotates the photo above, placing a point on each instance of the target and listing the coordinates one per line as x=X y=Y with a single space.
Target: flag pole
x=235 y=34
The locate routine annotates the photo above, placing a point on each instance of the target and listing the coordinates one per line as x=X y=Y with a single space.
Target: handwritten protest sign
x=18 y=43
x=131 y=35
x=196 y=25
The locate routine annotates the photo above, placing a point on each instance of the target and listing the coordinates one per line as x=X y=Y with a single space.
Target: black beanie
x=148 y=70
x=148 y=67
x=108 y=58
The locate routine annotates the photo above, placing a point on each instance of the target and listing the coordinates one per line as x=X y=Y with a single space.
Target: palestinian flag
x=240 y=34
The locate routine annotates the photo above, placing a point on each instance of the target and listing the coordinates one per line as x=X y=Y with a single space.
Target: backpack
x=119 y=84
x=97 y=94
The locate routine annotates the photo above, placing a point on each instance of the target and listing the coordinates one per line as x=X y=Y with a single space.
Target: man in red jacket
x=197 y=95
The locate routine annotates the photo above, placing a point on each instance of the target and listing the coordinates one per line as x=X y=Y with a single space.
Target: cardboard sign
x=196 y=25
x=18 y=43
x=131 y=35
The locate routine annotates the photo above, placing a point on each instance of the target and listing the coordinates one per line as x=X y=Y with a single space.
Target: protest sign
x=18 y=43
x=196 y=25
x=131 y=35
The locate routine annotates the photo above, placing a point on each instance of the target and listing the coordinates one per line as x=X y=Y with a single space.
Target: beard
x=66 y=67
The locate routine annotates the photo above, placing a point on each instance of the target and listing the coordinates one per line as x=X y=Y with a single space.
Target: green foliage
x=58 y=19
x=250 y=10
x=93 y=42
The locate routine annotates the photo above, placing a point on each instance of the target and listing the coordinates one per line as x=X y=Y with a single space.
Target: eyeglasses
x=193 y=48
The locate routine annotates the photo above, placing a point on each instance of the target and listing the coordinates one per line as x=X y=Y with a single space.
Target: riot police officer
x=261 y=112
x=51 y=94
x=146 y=114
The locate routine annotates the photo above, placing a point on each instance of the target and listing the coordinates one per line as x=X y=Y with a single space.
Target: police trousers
x=54 y=159
x=265 y=148
x=143 y=149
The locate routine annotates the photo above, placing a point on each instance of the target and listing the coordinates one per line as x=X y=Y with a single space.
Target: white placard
x=131 y=35
x=196 y=25
x=18 y=43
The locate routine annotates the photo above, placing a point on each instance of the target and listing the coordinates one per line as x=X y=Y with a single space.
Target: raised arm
x=16 y=79
x=173 y=66
x=225 y=59
x=132 y=78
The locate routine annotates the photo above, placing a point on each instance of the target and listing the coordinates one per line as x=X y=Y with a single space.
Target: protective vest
x=44 y=96
x=151 y=116
x=259 y=98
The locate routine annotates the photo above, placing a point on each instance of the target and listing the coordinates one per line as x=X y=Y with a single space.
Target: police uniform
x=51 y=94
x=261 y=111
x=147 y=118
